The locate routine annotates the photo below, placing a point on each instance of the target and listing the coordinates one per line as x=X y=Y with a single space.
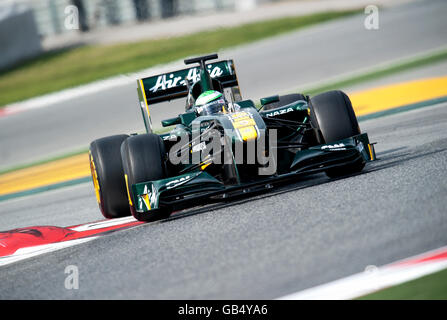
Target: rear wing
x=173 y=85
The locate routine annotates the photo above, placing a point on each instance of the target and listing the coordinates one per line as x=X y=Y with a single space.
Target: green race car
x=222 y=146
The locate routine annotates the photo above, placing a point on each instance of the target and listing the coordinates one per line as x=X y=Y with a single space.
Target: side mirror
x=270 y=99
x=171 y=122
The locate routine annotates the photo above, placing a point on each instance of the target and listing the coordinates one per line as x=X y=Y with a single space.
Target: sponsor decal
x=177 y=182
x=148 y=199
x=360 y=147
x=199 y=147
x=279 y=112
x=168 y=81
x=170 y=137
x=245 y=125
x=215 y=72
x=334 y=147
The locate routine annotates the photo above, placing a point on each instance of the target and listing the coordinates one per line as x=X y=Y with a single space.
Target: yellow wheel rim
x=94 y=178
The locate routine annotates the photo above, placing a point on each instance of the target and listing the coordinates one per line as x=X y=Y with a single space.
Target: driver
x=212 y=102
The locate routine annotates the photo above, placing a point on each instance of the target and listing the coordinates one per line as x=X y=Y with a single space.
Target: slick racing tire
x=108 y=177
x=143 y=158
x=332 y=114
x=284 y=100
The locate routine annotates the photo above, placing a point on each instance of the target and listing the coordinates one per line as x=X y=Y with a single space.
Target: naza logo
x=277 y=113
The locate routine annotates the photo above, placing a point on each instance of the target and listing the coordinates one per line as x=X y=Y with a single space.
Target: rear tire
x=108 y=177
x=143 y=158
x=284 y=100
x=332 y=114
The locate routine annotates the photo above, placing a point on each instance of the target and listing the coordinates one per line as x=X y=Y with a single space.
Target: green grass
x=431 y=287
x=72 y=67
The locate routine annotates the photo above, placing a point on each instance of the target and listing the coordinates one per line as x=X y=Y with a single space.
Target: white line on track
x=29 y=252
x=374 y=279
x=103 y=224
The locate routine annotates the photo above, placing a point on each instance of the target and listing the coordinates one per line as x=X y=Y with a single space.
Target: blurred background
x=43 y=24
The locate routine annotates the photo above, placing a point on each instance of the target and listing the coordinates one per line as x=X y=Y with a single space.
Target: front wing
x=194 y=188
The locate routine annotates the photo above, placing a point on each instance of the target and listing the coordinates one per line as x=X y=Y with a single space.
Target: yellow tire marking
x=127 y=188
x=95 y=178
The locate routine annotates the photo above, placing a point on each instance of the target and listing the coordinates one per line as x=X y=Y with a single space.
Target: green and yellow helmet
x=210 y=102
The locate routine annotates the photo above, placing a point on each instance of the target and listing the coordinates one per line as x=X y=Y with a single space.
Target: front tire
x=143 y=158
x=108 y=177
x=334 y=118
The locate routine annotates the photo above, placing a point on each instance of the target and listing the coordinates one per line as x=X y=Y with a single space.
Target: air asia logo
x=168 y=81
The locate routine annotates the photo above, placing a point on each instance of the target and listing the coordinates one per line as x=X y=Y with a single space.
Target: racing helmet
x=210 y=102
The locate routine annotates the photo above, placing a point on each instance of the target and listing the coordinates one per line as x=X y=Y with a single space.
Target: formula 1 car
x=222 y=146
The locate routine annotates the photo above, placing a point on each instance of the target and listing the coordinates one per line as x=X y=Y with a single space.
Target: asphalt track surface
x=272 y=66
x=266 y=246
